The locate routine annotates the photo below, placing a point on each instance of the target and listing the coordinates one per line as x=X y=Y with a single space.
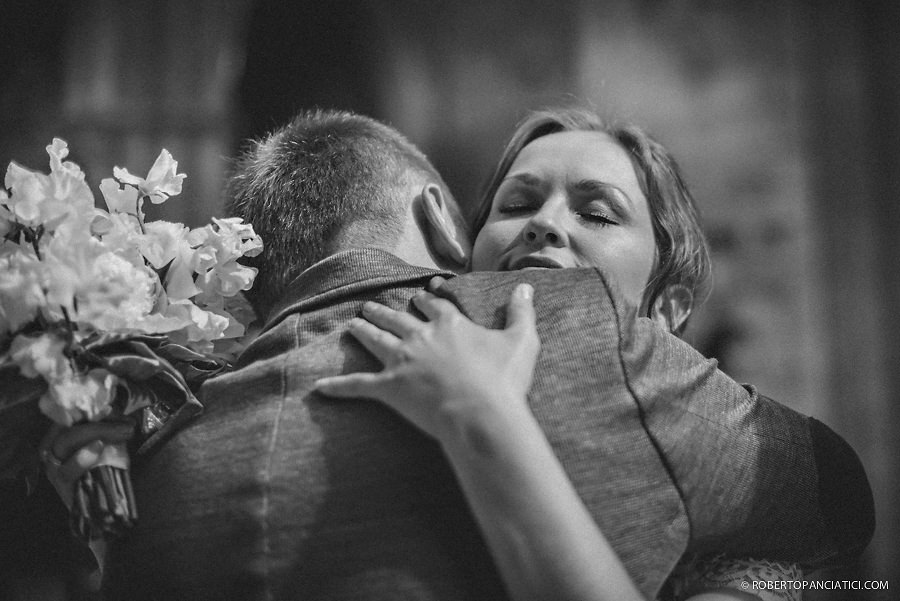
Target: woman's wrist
x=481 y=429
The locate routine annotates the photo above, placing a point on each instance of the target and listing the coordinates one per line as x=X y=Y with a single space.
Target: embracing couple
x=399 y=431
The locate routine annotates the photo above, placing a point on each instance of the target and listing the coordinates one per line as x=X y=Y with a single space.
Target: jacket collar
x=346 y=273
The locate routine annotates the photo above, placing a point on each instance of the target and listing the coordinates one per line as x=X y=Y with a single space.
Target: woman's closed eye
x=598 y=212
x=517 y=206
x=600 y=218
x=601 y=203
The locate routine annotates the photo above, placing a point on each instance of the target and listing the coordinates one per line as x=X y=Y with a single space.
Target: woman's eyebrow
x=615 y=194
x=525 y=178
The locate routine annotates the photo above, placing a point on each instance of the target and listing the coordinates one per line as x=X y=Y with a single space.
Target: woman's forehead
x=578 y=155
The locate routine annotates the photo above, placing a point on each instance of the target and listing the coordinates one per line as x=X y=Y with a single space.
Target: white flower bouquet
x=104 y=315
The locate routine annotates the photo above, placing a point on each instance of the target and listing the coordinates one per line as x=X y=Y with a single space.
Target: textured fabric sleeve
x=758 y=478
x=848 y=508
x=754 y=476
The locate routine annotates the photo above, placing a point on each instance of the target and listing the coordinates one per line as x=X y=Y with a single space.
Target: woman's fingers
x=352 y=385
x=81 y=461
x=386 y=347
x=434 y=307
x=520 y=310
x=64 y=474
x=61 y=443
x=397 y=322
x=435 y=283
x=70 y=452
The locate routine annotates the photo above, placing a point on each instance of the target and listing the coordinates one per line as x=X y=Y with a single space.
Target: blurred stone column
x=460 y=75
x=852 y=95
x=882 y=130
x=145 y=75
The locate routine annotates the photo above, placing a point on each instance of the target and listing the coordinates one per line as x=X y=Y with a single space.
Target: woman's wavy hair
x=682 y=252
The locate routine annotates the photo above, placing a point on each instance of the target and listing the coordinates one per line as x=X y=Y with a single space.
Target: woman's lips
x=533 y=262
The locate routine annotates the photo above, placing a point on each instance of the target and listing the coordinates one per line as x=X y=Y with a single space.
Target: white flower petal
x=119 y=200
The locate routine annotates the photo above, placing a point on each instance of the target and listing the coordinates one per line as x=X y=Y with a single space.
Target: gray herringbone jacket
x=278 y=493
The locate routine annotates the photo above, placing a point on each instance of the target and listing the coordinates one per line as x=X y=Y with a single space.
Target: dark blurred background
x=784 y=115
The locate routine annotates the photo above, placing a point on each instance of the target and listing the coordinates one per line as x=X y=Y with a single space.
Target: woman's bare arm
x=466 y=386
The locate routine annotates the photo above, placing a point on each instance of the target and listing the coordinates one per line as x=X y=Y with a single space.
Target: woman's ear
x=446 y=238
x=672 y=307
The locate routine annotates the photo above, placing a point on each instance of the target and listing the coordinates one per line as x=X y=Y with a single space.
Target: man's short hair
x=307 y=182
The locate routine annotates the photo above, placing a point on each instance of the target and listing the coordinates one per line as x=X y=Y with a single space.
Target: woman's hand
x=435 y=369
x=68 y=453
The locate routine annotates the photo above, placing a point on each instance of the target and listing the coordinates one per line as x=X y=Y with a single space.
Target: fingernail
x=369 y=307
x=96 y=446
x=355 y=323
x=525 y=291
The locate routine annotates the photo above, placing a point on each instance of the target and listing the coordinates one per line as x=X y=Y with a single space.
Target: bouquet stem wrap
x=157 y=380
x=103 y=502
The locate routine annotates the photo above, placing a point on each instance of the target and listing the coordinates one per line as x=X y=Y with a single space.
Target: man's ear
x=672 y=307
x=446 y=239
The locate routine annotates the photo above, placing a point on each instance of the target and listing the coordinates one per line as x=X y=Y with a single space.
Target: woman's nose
x=544 y=229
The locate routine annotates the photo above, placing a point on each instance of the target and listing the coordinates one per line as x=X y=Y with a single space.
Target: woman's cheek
x=487 y=250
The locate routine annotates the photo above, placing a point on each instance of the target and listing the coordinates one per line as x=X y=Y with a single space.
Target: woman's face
x=571 y=199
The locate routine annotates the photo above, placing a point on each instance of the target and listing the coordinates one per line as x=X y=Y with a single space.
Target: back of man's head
x=308 y=185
